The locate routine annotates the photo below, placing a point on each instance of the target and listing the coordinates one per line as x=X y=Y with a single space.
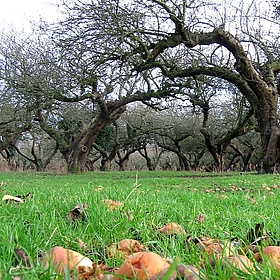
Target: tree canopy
x=105 y=55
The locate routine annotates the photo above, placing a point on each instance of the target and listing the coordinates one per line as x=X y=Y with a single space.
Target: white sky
x=19 y=13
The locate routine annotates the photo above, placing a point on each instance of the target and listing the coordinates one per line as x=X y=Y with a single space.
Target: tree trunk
x=212 y=149
x=145 y=155
x=106 y=164
x=122 y=161
x=79 y=150
x=245 y=158
x=123 y=164
x=183 y=163
x=197 y=158
x=266 y=115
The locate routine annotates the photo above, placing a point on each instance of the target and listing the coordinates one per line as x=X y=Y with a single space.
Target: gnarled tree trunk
x=79 y=150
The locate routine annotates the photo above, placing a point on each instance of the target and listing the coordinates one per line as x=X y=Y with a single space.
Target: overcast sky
x=18 y=13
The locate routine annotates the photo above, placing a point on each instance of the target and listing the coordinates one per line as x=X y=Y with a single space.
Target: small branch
x=136 y=186
x=51 y=237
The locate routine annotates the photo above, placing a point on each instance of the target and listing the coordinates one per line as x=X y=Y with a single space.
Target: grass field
x=223 y=206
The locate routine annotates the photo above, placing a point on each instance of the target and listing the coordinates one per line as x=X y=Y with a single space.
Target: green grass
x=40 y=223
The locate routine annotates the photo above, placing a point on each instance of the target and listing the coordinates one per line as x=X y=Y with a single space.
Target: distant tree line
x=166 y=137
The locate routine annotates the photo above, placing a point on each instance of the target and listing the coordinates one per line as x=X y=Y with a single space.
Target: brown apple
x=62 y=259
x=172 y=228
x=141 y=266
x=125 y=248
x=240 y=262
x=271 y=254
x=112 y=204
x=186 y=272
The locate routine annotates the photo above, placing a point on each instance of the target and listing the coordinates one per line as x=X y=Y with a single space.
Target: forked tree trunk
x=122 y=160
x=184 y=164
x=80 y=148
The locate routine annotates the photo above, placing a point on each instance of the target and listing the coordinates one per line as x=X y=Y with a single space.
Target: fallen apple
x=220 y=248
x=125 y=248
x=99 y=271
x=270 y=255
x=186 y=272
x=240 y=262
x=62 y=259
x=214 y=248
x=21 y=258
x=172 y=228
x=113 y=204
x=141 y=266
